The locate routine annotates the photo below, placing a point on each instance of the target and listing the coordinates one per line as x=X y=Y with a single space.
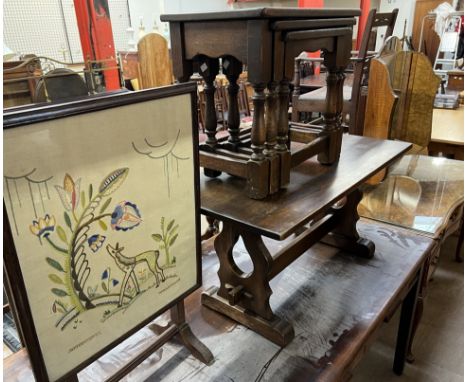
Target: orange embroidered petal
x=68 y=183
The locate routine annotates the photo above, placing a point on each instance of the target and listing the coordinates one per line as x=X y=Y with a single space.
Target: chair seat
x=315 y=100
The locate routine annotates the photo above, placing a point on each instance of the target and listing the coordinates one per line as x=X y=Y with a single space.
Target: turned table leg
x=209 y=69
x=283 y=132
x=271 y=122
x=258 y=166
x=232 y=68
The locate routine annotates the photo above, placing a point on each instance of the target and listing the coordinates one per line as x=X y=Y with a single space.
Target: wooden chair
x=314 y=101
x=155 y=66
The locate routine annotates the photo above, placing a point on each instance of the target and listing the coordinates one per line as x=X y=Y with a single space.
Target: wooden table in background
x=448 y=132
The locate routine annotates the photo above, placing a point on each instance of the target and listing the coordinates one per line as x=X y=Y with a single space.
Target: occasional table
x=421 y=194
x=319 y=204
x=266 y=40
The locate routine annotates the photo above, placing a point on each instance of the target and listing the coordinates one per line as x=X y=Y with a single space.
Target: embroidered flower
x=125 y=216
x=43 y=226
x=69 y=193
x=95 y=242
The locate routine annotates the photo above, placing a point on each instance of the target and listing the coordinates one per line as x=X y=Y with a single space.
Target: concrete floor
x=438 y=345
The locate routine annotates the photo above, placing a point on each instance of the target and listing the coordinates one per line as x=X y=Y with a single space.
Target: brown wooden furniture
x=422 y=194
x=266 y=40
x=336 y=302
x=314 y=101
x=456 y=80
x=309 y=208
x=19 y=82
x=154 y=62
x=448 y=135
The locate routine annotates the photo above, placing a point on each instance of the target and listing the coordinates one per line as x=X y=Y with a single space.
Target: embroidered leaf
x=162 y=225
x=105 y=205
x=55 y=279
x=103 y=225
x=169 y=226
x=173 y=230
x=90 y=191
x=61 y=234
x=113 y=181
x=83 y=201
x=104 y=286
x=173 y=239
x=54 y=264
x=105 y=275
x=62 y=305
x=65 y=197
x=67 y=220
x=157 y=237
x=114 y=282
x=59 y=292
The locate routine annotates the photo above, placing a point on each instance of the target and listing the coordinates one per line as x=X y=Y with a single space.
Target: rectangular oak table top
x=313 y=188
x=336 y=302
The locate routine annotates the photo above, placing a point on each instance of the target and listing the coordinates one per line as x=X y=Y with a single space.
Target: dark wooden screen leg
x=283 y=132
x=271 y=121
x=258 y=166
x=209 y=68
x=232 y=68
x=196 y=347
x=404 y=329
x=345 y=235
x=72 y=378
x=246 y=297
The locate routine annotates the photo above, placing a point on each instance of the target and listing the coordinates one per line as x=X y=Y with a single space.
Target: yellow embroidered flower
x=43 y=226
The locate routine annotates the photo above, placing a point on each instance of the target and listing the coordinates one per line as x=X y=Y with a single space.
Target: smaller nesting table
x=266 y=40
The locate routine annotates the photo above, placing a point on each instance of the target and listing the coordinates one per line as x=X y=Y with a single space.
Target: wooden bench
x=336 y=302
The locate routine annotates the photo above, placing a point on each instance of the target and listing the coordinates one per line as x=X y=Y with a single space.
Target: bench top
x=335 y=302
x=313 y=188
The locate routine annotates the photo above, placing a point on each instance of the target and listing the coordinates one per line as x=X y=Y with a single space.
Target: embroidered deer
x=127 y=265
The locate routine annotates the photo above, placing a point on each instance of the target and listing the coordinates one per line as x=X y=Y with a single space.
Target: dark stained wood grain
x=335 y=301
x=312 y=190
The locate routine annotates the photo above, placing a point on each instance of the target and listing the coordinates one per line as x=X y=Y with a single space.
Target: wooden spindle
x=232 y=68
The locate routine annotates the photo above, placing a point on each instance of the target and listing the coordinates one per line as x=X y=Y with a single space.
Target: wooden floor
x=439 y=341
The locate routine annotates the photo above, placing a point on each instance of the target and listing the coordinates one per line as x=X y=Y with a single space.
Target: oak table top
x=335 y=300
x=448 y=126
x=313 y=189
x=420 y=193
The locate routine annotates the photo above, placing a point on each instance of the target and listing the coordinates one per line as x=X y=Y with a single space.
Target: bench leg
x=408 y=309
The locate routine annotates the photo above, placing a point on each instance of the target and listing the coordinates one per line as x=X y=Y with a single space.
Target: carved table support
x=232 y=68
x=209 y=68
x=258 y=166
x=240 y=292
x=345 y=235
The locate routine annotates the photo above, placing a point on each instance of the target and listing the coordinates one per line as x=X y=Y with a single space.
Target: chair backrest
x=361 y=68
x=154 y=62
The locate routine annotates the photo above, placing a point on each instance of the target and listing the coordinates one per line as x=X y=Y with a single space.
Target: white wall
x=405 y=12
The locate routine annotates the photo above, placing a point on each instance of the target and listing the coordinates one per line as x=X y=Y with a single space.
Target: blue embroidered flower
x=125 y=216
x=95 y=242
